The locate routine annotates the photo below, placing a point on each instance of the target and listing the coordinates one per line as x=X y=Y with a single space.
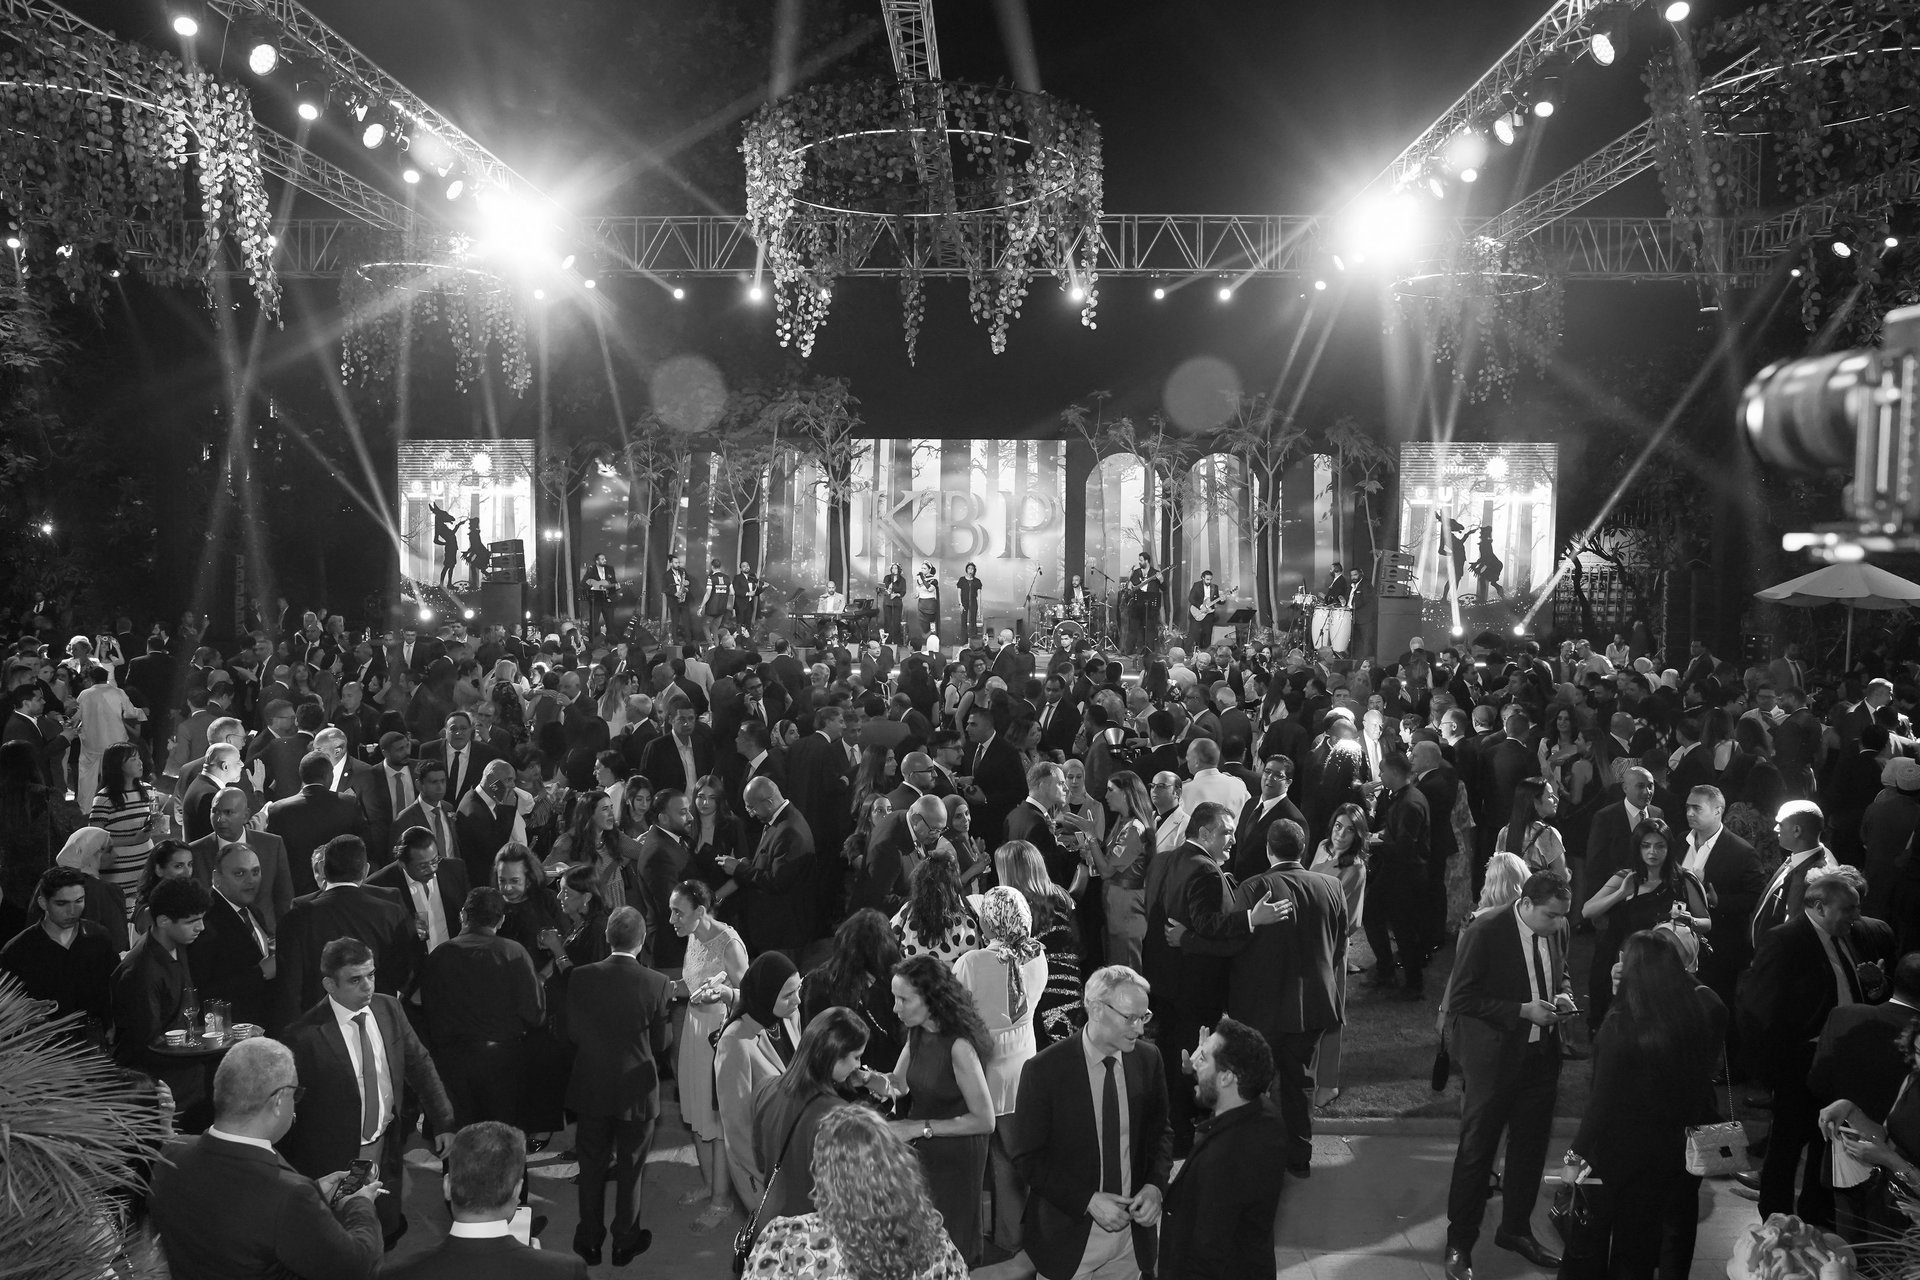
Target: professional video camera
x=1822 y=414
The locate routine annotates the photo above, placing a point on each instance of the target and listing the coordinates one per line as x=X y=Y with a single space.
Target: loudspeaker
x=1400 y=621
x=501 y=602
x=507 y=562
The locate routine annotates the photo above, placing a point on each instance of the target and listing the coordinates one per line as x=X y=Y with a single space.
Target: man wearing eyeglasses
x=226 y=1203
x=1091 y=1137
x=431 y=887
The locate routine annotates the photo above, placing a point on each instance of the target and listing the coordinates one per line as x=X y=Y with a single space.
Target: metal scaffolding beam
x=916 y=50
x=1557 y=34
x=1165 y=246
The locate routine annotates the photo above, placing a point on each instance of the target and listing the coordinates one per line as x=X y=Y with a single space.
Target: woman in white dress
x=1006 y=978
x=716 y=962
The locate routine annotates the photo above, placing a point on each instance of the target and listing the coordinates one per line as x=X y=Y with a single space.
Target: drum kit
x=1319 y=625
x=1071 y=623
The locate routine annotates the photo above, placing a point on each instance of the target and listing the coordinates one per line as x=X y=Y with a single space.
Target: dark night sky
x=1206 y=105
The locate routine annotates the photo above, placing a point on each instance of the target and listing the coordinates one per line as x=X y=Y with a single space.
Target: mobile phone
x=359 y=1174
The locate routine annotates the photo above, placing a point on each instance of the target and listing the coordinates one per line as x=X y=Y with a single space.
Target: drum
x=1304 y=599
x=1056 y=613
x=1332 y=627
x=1078 y=612
x=1070 y=631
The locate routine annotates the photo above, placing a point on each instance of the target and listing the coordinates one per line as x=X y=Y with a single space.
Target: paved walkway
x=1375 y=1209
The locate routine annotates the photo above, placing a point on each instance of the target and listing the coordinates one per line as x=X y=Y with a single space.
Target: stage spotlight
x=375 y=131
x=1600 y=45
x=1159 y=292
x=1386 y=228
x=1226 y=293
x=1077 y=294
x=1437 y=186
x=1841 y=249
x=1459 y=630
x=46 y=528
x=1466 y=149
x=591 y=283
x=1796 y=273
x=1320 y=286
x=1507 y=127
x=1519 y=628
x=13 y=242
x=1891 y=241
x=262 y=41
x=410 y=176
x=540 y=295
x=678 y=293
x=185 y=24
x=1677 y=11
x=1546 y=98
x=1469 y=175
x=1610 y=36
x=468 y=615
x=566 y=262
x=756 y=294
x=309 y=99
x=426 y=614
x=456 y=188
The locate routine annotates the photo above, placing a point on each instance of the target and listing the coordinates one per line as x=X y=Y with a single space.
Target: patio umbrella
x=1857 y=585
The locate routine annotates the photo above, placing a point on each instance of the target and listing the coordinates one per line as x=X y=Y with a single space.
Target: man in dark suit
x=664 y=760
x=356 y=1053
x=1059 y=717
x=1032 y=820
x=233 y=958
x=1798 y=826
x=466 y=759
x=895 y=850
x=820 y=776
x=1164 y=754
x=431 y=810
x=1259 y=815
x=1509 y=763
x=1859 y=1058
x=219 y=767
x=1286 y=983
x=1803 y=970
x=482 y=998
x=991 y=776
x=619 y=1019
x=356 y=780
x=346 y=908
x=1397 y=879
x=485 y=1173
x=1507 y=996
x=1439 y=785
x=1610 y=835
x=390 y=790
x=485 y=821
x=1218 y=1223
x=309 y=820
x=229 y=818
x=1727 y=866
x=1093 y=1199
x=279 y=749
x=779 y=878
x=226 y=1203
x=433 y=889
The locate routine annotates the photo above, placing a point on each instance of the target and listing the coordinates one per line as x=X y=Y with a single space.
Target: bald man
x=227 y=816
x=781 y=914
x=893 y=854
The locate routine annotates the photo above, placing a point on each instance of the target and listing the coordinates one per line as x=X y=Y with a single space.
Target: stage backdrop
x=1477 y=519
x=486 y=480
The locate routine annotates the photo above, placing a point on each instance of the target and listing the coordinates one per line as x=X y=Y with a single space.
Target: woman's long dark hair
x=949 y=1004
x=1656 y=1006
x=832 y=1035
x=1526 y=811
x=934 y=901
x=584 y=841
x=1654 y=827
x=864 y=952
x=113 y=774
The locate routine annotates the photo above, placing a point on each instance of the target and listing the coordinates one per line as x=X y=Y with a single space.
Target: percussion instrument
x=1068 y=630
x=1332 y=627
x=1055 y=613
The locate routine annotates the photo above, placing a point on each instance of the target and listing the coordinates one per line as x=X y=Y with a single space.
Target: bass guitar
x=1212 y=602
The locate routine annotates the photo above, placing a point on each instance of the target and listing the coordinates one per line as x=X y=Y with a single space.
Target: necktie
x=1110 y=1132
x=440 y=831
x=1540 y=976
x=1850 y=971
x=402 y=797
x=369 y=1083
x=453 y=770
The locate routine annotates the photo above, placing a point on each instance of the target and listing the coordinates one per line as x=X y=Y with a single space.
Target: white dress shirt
x=350 y=1032
x=428 y=907
x=1529 y=941
x=1698 y=853
x=1220 y=788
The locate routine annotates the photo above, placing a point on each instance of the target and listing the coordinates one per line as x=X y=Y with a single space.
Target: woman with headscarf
x=1006 y=978
x=106 y=905
x=753 y=1046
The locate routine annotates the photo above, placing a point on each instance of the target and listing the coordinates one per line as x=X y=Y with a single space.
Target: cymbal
x=1038 y=596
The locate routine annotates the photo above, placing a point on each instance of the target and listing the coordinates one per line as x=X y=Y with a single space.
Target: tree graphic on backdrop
x=1265 y=439
x=1361 y=460
x=1165 y=456
x=746 y=445
x=819 y=421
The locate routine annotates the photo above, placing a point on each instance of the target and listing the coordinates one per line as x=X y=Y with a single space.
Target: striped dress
x=130 y=823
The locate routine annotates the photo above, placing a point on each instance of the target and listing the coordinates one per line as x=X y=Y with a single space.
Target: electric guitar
x=1208 y=605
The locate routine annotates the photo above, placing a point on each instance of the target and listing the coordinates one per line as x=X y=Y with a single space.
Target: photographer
x=225 y=1203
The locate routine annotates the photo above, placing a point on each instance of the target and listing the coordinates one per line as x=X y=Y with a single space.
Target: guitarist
x=1143 y=586
x=1202 y=596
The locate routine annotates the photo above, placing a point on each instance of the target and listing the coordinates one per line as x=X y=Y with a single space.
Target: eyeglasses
x=299 y=1091
x=1133 y=1019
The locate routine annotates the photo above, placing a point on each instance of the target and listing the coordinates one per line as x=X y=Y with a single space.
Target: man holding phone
x=1508 y=997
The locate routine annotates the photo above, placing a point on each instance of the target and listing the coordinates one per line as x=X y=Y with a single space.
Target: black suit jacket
x=660 y=761
x=306 y=822
x=998 y=774
x=819 y=783
x=449 y=881
x=479 y=756
x=326 y=1127
x=229 y=1209
x=1217 y=1221
x=1059 y=733
x=1190 y=981
x=492 y=1258
x=276 y=874
x=375 y=916
x=780 y=912
x=1287 y=978
x=1785 y=999
x=225 y=963
x=1249 y=856
x=618 y=1018
x=1485 y=1031
x=1858 y=1056
x=1733 y=874
x=480 y=832
x=1056 y=1146
x=1610 y=841
x=1777 y=905
x=1027 y=823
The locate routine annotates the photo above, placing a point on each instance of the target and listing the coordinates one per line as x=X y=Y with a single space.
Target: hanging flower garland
x=395 y=298
x=99 y=139
x=1489 y=310
x=1006 y=183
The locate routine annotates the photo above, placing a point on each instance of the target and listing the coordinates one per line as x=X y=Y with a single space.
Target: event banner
x=457 y=489
x=1477 y=519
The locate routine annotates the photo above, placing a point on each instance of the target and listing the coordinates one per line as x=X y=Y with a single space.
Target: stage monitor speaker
x=501 y=602
x=1399 y=622
x=508 y=562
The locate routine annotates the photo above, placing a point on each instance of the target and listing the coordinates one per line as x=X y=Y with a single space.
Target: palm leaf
x=75 y=1133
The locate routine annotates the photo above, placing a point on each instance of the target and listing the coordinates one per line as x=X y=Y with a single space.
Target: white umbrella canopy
x=1856 y=585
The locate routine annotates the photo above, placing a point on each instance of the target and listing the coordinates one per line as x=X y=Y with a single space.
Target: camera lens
x=1800 y=415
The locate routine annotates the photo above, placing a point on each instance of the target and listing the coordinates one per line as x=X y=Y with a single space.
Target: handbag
x=744 y=1238
x=1582 y=1216
x=1718 y=1149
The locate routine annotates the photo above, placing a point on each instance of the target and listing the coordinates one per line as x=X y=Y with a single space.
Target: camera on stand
x=1848 y=413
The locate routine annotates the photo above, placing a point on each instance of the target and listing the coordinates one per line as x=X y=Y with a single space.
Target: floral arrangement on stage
x=1488 y=310
x=94 y=163
x=394 y=302
x=923 y=174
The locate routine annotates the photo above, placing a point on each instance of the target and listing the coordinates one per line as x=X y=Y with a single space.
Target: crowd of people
x=999 y=940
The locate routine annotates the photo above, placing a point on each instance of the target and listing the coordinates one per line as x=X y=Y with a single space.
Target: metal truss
x=1167 y=246
x=1557 y=35
x=916 y=50
x=286 y=160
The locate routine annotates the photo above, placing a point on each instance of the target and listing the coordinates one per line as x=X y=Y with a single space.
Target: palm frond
x=75 y=1137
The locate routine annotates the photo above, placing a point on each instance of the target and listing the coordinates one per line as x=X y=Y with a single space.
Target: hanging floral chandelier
x=1488 y=309
x=909 y=176
x=397 y=297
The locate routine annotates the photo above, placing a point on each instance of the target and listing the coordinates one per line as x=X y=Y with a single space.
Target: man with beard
x=663 y=864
